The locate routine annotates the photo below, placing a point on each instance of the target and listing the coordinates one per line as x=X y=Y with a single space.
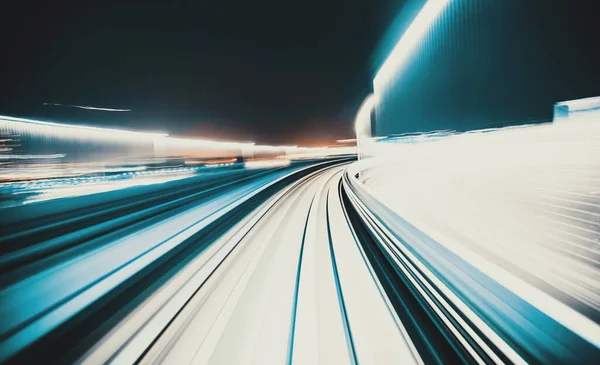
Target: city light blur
x=349 y=182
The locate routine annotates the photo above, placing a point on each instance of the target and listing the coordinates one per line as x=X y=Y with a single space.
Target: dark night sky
x=266 y=71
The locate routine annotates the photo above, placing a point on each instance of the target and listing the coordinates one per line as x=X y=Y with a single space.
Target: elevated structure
x=471 y=64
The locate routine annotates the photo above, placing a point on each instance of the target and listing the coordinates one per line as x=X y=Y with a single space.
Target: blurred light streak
x=101 y=185
x=411 y=37
x=32 y=157
x=319 y=152
x=89 y=107
x=264 y=164
x=93 y=150
x=446 y=188
x=362 y=124
x=183 y=143
x=73 y=131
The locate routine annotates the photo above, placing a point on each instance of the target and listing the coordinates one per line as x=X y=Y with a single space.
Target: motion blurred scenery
x=317 y=182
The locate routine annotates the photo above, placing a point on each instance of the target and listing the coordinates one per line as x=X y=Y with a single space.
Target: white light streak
x=581 y=104
x=36 y=127
x=89 y=107
x=153 y=144
x=362 y=123
x=30 y=157
x=262 y=164
x=100 y=186
x=411 y=37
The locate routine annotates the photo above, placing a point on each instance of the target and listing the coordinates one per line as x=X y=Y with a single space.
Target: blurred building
x=471 y=64
x=28 y=141
x=32 y=143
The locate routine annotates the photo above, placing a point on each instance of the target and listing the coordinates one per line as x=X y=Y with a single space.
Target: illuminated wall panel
x=472 y=64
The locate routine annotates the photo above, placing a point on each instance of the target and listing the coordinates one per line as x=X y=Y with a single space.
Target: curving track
x=300 y=265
